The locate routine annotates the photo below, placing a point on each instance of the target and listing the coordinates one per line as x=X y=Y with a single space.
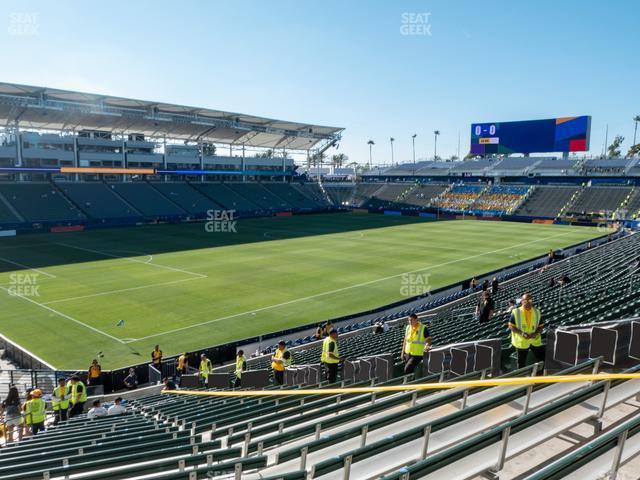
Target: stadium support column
x=242 y=165
x=201 y=155
x=19 y=152
x=76 y=154
x=284 y=167
x=565 y=155
x=126 y=178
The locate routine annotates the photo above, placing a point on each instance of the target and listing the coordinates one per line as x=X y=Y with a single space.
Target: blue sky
x=345 y=63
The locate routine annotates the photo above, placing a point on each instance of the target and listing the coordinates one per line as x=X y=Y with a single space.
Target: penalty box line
x=106 y=254
x=358 y=285
x=63 y=315
x=21 y=265
x=111 y=292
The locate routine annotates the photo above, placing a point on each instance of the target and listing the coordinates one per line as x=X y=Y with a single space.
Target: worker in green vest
x=526 y=331
x=205 y=368
x=60 y=401
x=241 y=366
x=36 y=411
x=78 y=396
x=415 y=344
x=330 y=355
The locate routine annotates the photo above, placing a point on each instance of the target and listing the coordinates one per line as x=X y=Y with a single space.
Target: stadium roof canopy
x=26 y=106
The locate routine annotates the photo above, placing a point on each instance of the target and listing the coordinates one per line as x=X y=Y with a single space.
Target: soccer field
x=121 y=291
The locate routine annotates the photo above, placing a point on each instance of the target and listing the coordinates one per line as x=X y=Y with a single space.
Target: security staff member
x=156 y=358
x=94 y=375
x=182 y=364
x=330 y=356
x=205 y=368
x=526 y=328
x=241 y=366
x=78 y=396
x=280 y=360
x=415 y=344
x=60 y=401
x=35 y=411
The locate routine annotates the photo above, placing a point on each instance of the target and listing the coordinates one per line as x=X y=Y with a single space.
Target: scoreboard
x=567 y=134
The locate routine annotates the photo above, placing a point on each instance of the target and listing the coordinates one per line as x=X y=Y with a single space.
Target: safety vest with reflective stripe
x=74 y=393
x=239 y=364
x=205 y=368
x=35 y=411
x=518 y=319
x=280 y=366
x=414 y=340
x=60 y=398
x=326 y=358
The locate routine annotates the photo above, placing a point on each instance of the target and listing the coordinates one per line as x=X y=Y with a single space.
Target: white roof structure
x=24 y=106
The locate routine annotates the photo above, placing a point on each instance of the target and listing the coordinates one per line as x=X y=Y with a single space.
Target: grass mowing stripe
x=63 y=315
x=245 y=272
x=21 y=265
x=364 y=284
x=111 y=292
x=106 y=254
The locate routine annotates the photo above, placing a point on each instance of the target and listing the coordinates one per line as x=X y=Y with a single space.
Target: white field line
x=110 y=292
x=358 y=285
x=42 y=272
x=94 y=329
x=106 y=254
x=270 y=234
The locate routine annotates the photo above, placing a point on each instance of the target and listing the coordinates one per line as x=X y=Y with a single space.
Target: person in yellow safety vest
x=60 y=401
x=330 y=355
x=205 y=368
x=280 y=360
x=35 y=411
x=415 y=344
x=526 y=328
x=241 y=366
x=78 y=396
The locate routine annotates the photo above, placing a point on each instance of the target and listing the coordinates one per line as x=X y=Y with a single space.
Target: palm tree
x=371 y=143
x=635 y=130
x=317 y=159
x=339 y=159
x=435 y=144
x=614 y=148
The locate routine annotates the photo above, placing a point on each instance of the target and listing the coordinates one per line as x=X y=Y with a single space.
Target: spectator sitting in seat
x=168 y=384
x=378 y=328
x=97 y=411
x=117 y=408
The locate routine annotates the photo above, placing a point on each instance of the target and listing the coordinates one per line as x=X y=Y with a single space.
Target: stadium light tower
x=435 y=143
x=413 y=144
x=371 y=143
x=391 y=140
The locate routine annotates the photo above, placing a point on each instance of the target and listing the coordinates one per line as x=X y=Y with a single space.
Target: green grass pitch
x=63 y=295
